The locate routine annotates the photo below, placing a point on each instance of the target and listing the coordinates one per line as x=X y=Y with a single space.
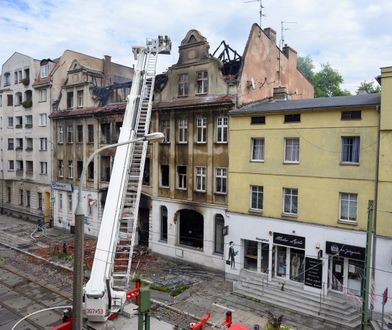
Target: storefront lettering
x=289 y=240
x=344 y=250
x=313 y=272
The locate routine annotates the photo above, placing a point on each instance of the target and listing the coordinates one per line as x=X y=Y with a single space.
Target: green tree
x=368 y=87
x=306 y=67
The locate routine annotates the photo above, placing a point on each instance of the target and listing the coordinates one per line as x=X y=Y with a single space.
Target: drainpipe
x=376 y=179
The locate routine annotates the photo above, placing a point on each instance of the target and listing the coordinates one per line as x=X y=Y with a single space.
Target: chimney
x=271 y=33
x=280 y=93
x=107 y=70
x=291 y=55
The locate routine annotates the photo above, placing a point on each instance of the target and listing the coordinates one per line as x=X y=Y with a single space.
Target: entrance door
x=337 y=273
x=281 y=255
x=47 y=209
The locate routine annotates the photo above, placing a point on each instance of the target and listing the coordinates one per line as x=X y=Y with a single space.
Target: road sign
x=385 y=296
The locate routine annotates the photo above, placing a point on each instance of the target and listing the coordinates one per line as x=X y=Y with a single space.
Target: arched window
x=219 y=239
x=191 y=228
x=163 y=231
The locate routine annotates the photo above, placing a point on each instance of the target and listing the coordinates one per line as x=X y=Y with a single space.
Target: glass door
x=355 y=276
x=297 y=260
x=281 y=255
x=337 y=273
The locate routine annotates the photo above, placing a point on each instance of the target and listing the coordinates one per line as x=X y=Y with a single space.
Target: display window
x=297 y=262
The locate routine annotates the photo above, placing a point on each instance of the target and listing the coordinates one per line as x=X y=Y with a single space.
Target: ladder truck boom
x=106 y=291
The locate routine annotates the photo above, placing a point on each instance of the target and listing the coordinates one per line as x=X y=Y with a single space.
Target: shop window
x=164 y=176
x=297 y=261
x=191 y=228
x=356 y=275
x=281 y=255
x=350 y=149
x=337 y=273
x=163 y=232
x=219 y=238
x=250 y=255
x=264 y=257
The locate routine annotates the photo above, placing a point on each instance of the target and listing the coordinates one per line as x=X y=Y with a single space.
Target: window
x=19 y=144
x=90 y=129
x=182 y=131
x=29 y=121
x=19 y=165
x=290 y=201
x=9 y=194
x=221 y=129
x=60 y=200
x=44 y=70
x=181 y=177
x=350 y=115
x=1 y=101
x=7 y=79
x=202 y=82
x=70 y=97
x=11 y=166
x=257 y=120
x=348 y=207
x=69 y=198
x=61 y=168
x=256 y=200
x=43 y=119
x=79 y=169
x=43 y=144
x=291 y=150
x=183 y=84
x=163 y=236
x=90 y=171
x=10 y=122
x=39 y=198
x=165 y=129
x=257 y=153
x=42 y=95
x=19 y=122
x=10 y=144
x=28 y=198
x=191 y=231
x=146 y=172
x=105 y=133
x=69 y=134
x=21 y=197
x=201 y=132
x=219 y=238
x=250 y=255
x=79 y=97
x=10 y=100
x=350 y=149
x=165 y=176
x=70 y=169
x=200 y=179
x=294 y=118
x=43 y=166
x=29 y=167
x=18 y=98
x=221 y=180
x=79 y=134
x=29 y=144
x=60 y=135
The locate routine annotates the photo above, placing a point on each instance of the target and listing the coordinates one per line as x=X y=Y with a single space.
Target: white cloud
x=352 y=35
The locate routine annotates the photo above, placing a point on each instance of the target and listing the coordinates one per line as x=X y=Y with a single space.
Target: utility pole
x=368 y=258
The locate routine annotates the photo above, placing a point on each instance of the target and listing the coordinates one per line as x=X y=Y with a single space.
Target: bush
x=27 y=104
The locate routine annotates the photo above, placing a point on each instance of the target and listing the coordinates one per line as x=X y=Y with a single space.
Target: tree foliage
x=306 y=67
x=368 y=87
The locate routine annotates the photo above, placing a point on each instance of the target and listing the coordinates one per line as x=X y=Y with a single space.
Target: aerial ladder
x=108 y=287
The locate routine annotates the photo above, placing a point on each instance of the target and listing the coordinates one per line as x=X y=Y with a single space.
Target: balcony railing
x=18 y=126
x=28 y=125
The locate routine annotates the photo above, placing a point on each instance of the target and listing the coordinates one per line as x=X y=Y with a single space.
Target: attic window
x=44 y=70
x=294 y=118
x=257 y=120
x=350 y=115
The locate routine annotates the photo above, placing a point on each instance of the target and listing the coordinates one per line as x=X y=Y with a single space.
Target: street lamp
x=77 y=323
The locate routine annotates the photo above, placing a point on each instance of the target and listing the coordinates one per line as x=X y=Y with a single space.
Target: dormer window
x=183 y=84
x=44 y=71
x=202 y=82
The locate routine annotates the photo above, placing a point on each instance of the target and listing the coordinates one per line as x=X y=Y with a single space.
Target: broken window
x=105 y=168
x=105 y=133
x=183 y=84
x=165 y=176
x=202 y=82
x=90 y=174
x=165 y=129
x=90 y=129
x=191 y=228
x=163 y=236
x=79 y=169
x=146 y=173
x=79 y=134
x=70 y=97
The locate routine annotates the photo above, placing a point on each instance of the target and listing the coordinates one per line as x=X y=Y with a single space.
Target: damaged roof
x=88 y=112
x=193 y=102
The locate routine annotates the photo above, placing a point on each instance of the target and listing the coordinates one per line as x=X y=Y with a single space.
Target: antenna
x=282 y=29
x=261 y=8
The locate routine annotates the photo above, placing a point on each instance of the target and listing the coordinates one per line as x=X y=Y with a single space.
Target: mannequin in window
x=295 y=263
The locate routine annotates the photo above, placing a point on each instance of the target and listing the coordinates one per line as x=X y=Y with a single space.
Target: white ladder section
x=129 y=213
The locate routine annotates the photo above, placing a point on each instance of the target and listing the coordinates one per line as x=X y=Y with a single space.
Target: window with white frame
x=290 y=201
x=291 y=150
x=182 y=131
x=183 y=84
x=257 y=151
x=44 y=70
x=79 y=98
x=11 y=165
x=43 y=144
x=43 y=119
x=61 y=168
x=350 y=149
x=69 y=199
x=43 y=95
x=165 y=129
x=256 y=197
x=200 y=178
x=221 y=180
x=70 y=169
x=221 y=129
x=29 y=144
x=69 y=134
x=43 y=166
x=201 y=82
x=28 y=121
x=181 y=177
x=60 y=200
x=60 y=134
x=201 y=130
x=348 y=207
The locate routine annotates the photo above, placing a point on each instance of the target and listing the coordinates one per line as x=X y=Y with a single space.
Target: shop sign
x=313 y=272
x=289 y=240
x=62 y=186
x=344 y=250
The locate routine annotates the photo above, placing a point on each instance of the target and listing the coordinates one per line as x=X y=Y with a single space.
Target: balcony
x=26 y=81
x=18 y=125
x=27 y=104
x=28 y=125
x=29 y=149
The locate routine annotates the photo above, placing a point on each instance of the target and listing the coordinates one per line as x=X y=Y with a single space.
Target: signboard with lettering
x=62 y=186
x=313 y=272
x=344 y=250
x=289 y=240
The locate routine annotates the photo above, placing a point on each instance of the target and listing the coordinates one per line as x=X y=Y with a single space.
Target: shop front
x=346 y=264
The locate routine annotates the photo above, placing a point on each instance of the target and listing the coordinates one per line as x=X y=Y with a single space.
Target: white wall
x=383 y=272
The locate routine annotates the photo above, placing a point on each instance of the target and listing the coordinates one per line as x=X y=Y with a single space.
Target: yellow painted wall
x=319 y=176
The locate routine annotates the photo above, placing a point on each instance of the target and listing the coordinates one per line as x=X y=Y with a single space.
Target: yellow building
x=301 y=174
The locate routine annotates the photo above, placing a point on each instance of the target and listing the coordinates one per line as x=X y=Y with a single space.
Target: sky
x=353 y=36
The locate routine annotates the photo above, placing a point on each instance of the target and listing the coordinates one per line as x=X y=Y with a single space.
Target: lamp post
x=77 y=313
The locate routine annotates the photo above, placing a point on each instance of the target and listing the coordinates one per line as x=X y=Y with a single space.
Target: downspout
x=376 y=179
